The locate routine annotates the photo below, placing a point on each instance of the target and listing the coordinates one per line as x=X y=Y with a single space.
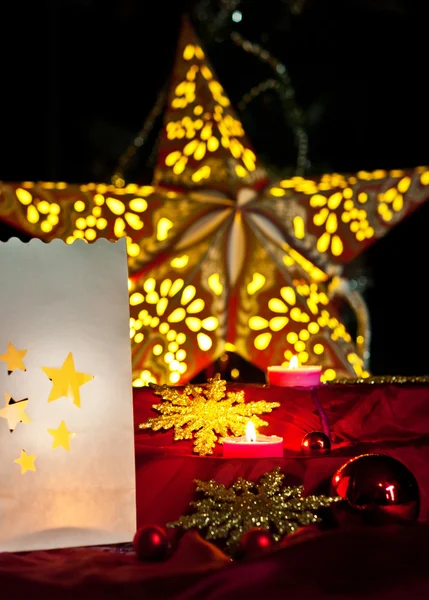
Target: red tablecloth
x=363 y=419
x=388 y=562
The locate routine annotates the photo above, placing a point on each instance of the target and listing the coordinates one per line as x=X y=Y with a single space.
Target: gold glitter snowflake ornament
x=205 y=413
x=224 y=514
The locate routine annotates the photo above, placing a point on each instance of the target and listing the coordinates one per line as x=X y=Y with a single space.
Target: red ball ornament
x=151 y=543
x=382 y=488
x=254 y=542
x=316 y=442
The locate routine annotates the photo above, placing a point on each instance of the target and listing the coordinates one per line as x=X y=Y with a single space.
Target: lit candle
x=294 y=375
x=253 y=445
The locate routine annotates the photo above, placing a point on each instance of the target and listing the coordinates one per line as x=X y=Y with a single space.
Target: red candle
x=294 y=375
x=253 y=445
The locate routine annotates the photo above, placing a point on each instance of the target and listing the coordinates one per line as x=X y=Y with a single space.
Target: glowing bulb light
x=273 y=284
x=250 y=432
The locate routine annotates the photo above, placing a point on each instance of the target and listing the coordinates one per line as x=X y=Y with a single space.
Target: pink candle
x=294 y=375
x=253 y=445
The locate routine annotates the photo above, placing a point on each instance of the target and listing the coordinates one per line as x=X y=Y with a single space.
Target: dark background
x=79 y=77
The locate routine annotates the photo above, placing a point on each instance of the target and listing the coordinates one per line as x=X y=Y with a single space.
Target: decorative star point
x=14 y=358
x=66 y=381
x=26 y=462
x=62 y=436
x=218 y=255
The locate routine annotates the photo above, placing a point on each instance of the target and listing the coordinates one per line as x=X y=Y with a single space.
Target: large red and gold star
x=220 y=258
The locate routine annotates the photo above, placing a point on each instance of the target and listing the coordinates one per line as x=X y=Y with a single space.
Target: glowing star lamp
x=294 y=375
x=65 y=394
x=219 y=258
x=253 y=445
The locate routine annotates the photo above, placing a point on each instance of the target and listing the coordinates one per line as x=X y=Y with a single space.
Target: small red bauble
x=316 y=442
x=151 y=543
x=254 y=541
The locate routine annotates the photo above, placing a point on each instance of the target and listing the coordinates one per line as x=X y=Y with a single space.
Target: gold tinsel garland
x=204 y=413
x=224 y=514
x=383 y=379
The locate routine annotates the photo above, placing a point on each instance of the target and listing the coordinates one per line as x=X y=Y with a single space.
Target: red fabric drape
x=379 y=562
x=391 y=419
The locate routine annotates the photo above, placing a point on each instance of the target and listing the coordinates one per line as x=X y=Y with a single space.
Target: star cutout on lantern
x=62 y=436
x=26 y=461
x=221 y=259
x=14 y=412
x=66 y=381
x=14 y=358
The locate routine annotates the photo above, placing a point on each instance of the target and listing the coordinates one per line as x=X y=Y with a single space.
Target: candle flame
x=294 y=363
x=250 y=432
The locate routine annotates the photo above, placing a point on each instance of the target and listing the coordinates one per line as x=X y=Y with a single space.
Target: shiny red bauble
x=255 y=541
x=380 y=487
x=316 y=443
x=151 y=543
